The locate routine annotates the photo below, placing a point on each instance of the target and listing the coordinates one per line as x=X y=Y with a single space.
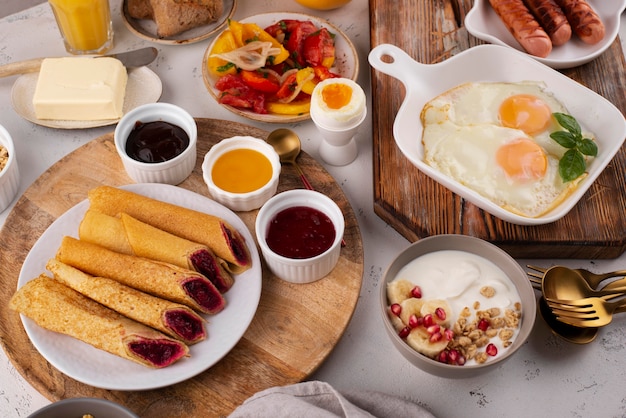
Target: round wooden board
x=293 y=331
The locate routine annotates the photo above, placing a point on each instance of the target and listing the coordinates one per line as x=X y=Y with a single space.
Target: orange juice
x=84 y=24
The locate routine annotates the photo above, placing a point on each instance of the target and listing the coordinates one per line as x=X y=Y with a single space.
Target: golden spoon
x=287 y=144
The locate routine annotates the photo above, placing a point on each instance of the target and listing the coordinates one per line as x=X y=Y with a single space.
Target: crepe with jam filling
x=56 y=307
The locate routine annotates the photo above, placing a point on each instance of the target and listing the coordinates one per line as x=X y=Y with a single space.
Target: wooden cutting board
x=293 y=331
x=432 y=31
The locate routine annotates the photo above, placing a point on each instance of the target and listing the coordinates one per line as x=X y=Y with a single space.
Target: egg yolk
x=337 y=95
x=522 y=159
x=525 y=112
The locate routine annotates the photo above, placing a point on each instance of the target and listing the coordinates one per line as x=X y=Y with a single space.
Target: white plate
x=496 y=63
x=143 y=86
x=100 y=369
x=346 y=61
x=146 y=28
x=483 y=22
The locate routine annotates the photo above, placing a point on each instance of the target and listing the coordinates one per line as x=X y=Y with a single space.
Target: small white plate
x=483 y=22
x=496 y=63
x=346 y=62
x=147 y=29
x=143 y=86
x=97 y=368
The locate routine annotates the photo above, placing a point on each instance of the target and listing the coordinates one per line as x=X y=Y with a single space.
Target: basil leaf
x=588 y=147
x=571 y=165
x=569 y=123
x=564 y=139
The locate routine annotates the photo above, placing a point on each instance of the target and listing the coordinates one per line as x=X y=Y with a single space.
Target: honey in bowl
x=241 y=170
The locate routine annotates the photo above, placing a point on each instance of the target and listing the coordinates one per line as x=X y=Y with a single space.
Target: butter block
x=80 y=88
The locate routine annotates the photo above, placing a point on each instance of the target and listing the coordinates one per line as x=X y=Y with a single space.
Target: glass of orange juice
x=84 y=24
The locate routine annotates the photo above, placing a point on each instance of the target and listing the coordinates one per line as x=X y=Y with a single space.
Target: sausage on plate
x=523 y=26
x=584 y=20
x=552 y=20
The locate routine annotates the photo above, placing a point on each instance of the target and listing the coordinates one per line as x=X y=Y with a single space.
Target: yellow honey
x=241 y=170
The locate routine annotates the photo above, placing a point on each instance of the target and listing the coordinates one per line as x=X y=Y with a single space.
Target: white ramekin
x=308 y=269
x=10 y=175
x=173 y=171
x=241 y=201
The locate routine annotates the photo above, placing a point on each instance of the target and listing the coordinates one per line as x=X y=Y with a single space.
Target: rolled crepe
x=154 y=277
x=56 y=307
x=176 y=320
x=127 y=235
x=217 y=234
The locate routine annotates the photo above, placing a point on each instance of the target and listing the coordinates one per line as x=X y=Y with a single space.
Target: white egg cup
x=338 y=146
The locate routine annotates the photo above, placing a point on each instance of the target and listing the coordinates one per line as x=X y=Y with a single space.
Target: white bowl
x=78 y=407
x=10 y=175
x=485 y=250
x=241 y=201
x=496 y=63
x=173 y=171
x=483 y=22
x=300 y=270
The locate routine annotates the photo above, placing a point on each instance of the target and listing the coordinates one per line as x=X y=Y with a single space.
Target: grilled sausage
x=552 y=20
x=584 y=20
x=523 y=26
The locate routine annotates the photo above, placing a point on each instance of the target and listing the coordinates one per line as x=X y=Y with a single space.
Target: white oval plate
x=97 y=368
x=483 y=22
x=143 y=86
x=496 y=63
x=346 y=62
x=146 y=28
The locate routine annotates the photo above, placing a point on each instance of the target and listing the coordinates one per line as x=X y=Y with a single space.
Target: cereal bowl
x=9 y=174
x=461 y=282
x=296 y=259
x=162 y=154
x=79 y=407
x=241 y=172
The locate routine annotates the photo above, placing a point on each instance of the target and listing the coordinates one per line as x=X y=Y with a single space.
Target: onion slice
x=251 y=56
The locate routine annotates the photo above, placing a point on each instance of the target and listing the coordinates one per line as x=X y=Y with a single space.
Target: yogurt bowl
x=300 y=233
x=241 y=172
x=164 y=150
x=9 y=172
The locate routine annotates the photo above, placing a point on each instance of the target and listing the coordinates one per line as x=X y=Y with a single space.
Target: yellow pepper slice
x=304 y=74
x=224 y=43
x=294 y=108
x=253 y=32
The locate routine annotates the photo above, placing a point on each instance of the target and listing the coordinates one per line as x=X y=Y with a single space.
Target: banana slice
x=419 y=340
x=399 y=290
x=409 y=307
x=430 y=307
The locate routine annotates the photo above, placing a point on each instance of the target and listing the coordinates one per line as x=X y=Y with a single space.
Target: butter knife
x=130 y=59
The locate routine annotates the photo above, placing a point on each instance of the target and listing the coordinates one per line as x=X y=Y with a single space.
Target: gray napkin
x=321 y=400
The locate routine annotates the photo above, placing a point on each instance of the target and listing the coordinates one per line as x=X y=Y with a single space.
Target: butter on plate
x=80 y=88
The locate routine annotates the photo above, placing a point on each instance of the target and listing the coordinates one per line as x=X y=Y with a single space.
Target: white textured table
x=547 y=378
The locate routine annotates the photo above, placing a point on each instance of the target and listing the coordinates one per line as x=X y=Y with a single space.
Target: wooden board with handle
x=293 y=331
x=432 y=31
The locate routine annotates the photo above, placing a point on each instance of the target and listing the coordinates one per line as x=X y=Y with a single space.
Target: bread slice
x=140 y=9
x=175 y=16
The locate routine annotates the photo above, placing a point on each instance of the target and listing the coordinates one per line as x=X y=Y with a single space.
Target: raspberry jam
x=300 y=232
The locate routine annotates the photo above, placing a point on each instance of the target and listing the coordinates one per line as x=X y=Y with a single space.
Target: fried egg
x=337 y=103
x=495 y=139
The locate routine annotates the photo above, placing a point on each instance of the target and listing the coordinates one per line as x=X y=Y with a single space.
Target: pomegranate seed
x=443 y=356
x=483 y=324
x=428 y=320
x=453 y=356
x=414 y=321
x=404 y=332
x=433 y=329
x=441 y=313
x=491 y=349
x=435 y=337
x=460 y=360
x=449 y=334
x=416 y=292
x=396 y=309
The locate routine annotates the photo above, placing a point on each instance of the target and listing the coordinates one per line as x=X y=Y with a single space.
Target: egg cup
x=338 y=146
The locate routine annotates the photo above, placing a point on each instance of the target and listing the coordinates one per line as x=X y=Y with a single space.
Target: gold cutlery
x=587 y=312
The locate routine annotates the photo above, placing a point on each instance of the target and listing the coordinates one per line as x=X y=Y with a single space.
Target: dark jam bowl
x=171 y=171
x=300 y=270
x=78 y=407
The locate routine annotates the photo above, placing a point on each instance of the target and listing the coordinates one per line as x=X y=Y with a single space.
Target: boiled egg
x=337 y=103
x=495 y=139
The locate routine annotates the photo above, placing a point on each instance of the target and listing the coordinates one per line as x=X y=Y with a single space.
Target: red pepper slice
x=260 y=81
x=319 y=49
x=288 y=86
